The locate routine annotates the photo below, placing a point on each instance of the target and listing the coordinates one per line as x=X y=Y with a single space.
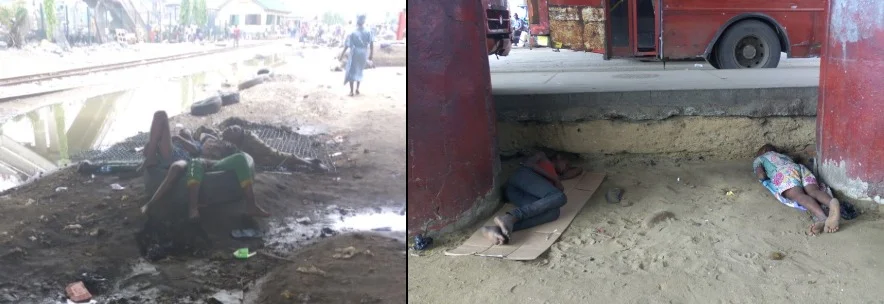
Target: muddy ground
x=743 y=247
x=67 y=227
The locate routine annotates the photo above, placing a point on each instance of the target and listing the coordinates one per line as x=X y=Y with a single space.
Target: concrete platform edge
x=657 y=105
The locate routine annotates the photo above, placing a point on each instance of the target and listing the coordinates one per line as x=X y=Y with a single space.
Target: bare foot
x=505 y=223
x=493 y=234
x=816 y=228
x=834 y=218
x=357 y=92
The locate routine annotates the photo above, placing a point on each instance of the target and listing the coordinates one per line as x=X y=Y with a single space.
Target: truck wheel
x=749 y=44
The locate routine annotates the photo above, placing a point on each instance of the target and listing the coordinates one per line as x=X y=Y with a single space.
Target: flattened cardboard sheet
x=531 y=243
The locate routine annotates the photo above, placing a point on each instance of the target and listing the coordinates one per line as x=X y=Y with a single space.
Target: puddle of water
x=47 y=138
x=295 y=232
x=384 y=221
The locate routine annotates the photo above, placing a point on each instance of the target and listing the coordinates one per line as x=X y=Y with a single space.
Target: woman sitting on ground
x=797 y=183
x=223 y=155
x=536 y=190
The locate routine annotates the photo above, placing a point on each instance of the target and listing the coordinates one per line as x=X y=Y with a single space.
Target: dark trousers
x=517 y=35
x=536 y=198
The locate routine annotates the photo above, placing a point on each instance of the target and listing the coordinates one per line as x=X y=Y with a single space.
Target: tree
x=200 y=13
x=50 y=17
x=14 y=19
x=186 y=13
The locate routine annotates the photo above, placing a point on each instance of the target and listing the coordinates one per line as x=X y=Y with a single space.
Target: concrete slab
x=545 y=60
x=647 y=95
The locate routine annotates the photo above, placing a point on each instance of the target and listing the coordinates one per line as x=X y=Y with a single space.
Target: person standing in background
x=519 y=26
x=361 y=45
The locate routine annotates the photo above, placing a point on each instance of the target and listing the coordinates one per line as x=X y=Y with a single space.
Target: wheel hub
x=749 y=51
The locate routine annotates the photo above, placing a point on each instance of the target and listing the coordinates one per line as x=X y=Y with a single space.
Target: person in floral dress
x=796 y=182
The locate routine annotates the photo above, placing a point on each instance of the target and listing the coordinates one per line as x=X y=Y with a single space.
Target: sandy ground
x=717 y=249
x=42 y=249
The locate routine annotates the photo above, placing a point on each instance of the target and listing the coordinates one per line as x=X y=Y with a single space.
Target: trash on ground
x=614 y=195
x=117 y=187
x=243 y=253
x=77 y=292
x=303 y=221
x=60 y=189
x=422 y=242
x=73 y=227
x=246 y=233
x=311 y=270
x=345 y=253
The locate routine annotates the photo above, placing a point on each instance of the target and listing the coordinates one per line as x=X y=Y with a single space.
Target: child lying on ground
x=797 y=183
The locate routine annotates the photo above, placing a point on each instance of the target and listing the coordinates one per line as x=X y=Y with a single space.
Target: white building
x=252 y=16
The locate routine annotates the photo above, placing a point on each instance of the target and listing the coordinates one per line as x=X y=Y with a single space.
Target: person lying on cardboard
x=536 y=190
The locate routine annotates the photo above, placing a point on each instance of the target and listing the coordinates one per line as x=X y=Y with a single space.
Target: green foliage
x=50 y=17
x=330 y=18
x=186 y=13
x=14 y=20
x=200 y=13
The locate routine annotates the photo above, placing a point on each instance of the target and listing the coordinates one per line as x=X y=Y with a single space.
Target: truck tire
x=748 y=44
x=229 y=98
x=208 y=106
x=252 y=82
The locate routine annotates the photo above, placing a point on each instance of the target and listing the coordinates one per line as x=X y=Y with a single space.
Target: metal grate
x=129 y=150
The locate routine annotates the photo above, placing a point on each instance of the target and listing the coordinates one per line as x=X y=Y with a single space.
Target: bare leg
x=160 y=139
x=797 y=194
x=351 y=88
x=357 y=87
x=252 y=207
x=834 y=218
x=193 y=191
x=172 y=176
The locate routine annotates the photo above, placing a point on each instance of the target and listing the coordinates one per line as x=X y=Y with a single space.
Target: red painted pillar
x=400 y=31
x=850 y=114
x=452 y=158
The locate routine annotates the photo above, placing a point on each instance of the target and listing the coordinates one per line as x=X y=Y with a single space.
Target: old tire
x=229 y=98
x=749 y=44
x=252 y=82
x=208 y=106
x=264 y=71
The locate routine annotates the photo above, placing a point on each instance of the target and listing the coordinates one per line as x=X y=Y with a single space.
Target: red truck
x=499 y=30
x=729 y=34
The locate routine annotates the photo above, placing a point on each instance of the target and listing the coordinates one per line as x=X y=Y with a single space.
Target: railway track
x=115 y=66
